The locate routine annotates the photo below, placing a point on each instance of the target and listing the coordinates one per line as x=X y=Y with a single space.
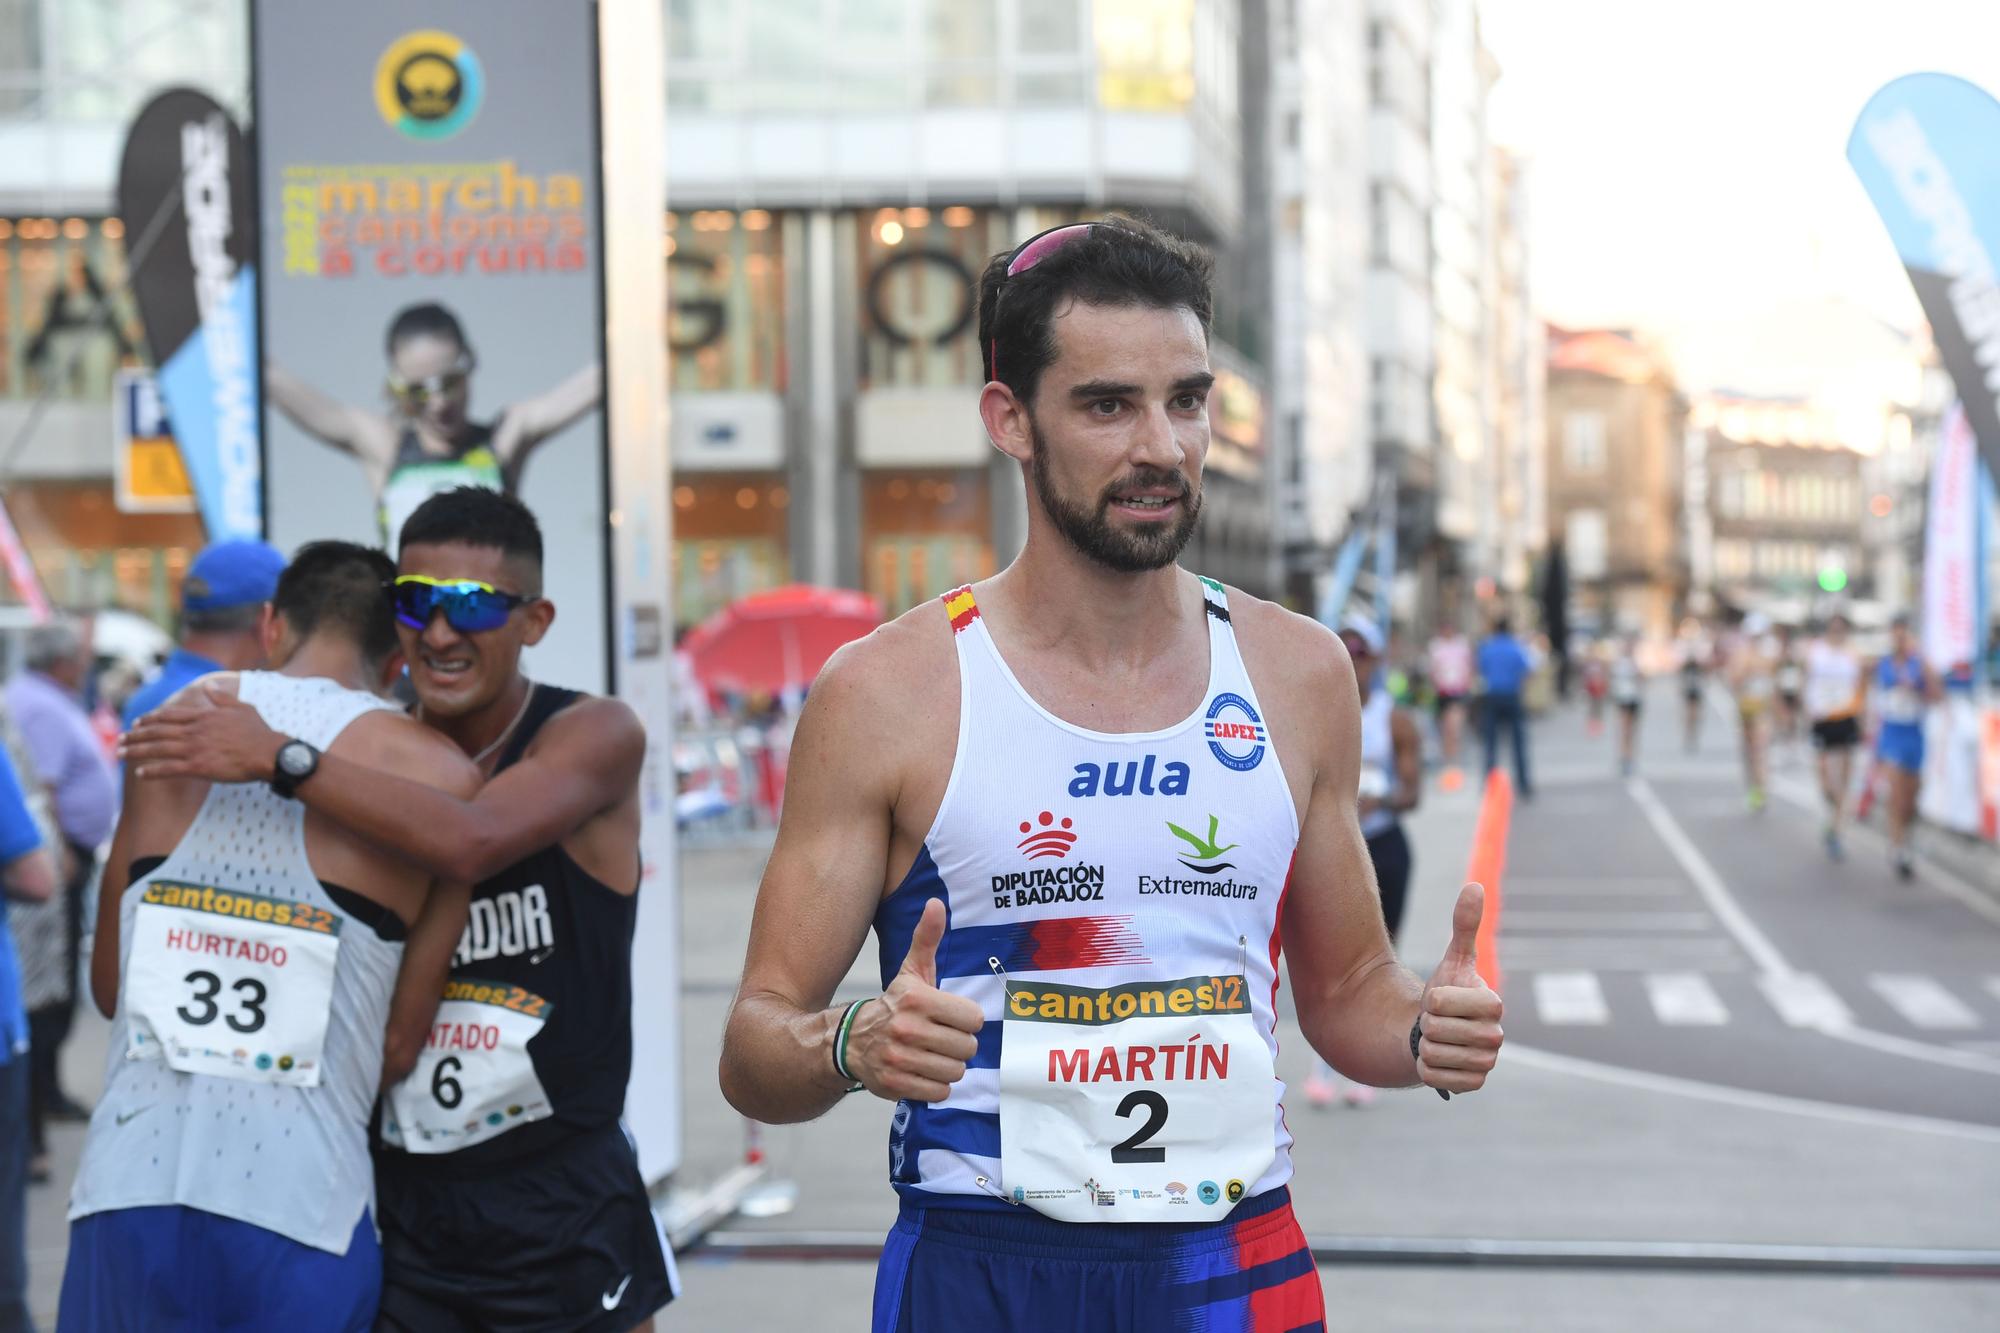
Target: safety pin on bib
x=982 y=1181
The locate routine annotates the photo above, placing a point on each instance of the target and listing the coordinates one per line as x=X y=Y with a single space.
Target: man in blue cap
x=222 y=600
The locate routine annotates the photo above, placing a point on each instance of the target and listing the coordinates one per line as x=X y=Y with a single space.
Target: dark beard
x=1090 y=530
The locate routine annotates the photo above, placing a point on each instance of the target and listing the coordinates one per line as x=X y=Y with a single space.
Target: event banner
x=429 y=190
x=184 y=195
x=1924 y=148
x=1952 y=558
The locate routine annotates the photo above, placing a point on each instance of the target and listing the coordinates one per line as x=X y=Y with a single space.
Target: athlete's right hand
x=913 y=1042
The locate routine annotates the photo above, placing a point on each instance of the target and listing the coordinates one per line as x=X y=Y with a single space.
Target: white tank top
x=1378 y=760
x=1833 y=682
x=290 y=1159
x=1119 y=858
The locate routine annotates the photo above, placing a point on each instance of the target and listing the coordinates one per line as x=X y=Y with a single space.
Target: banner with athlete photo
x=432 y=296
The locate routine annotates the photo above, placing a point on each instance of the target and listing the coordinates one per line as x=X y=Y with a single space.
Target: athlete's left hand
x=1461 y=1014
x=211 y=734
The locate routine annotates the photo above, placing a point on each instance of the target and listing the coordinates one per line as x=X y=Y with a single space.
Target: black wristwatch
x=297 y=761
x=1417 y=1035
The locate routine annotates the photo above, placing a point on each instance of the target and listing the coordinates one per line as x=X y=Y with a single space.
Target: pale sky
x=1688 y=170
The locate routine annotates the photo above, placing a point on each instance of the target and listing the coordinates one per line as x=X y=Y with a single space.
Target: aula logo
x=1131 y=777
x=1235 y=732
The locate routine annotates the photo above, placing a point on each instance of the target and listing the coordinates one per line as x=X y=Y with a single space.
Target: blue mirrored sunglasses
x=470 y=607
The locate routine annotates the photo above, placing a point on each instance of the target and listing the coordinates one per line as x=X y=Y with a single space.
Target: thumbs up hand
x=1460 y=1018
x=913 y=1043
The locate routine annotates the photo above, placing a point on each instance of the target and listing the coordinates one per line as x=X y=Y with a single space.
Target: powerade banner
x=429 y=187
x=184 y=195
x=1927 y=148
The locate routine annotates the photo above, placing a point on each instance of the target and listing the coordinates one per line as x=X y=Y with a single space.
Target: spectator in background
x=1503 y=669
x=222 y=603
x=26 y=874
x=38 y=928
x=46 y=703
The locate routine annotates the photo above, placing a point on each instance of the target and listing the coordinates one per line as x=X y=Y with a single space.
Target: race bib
x=1789 y=678
x=1902 y=704
x=1757 y=688
x=1146 y=1102
x=231 y=984
x=474 y=1079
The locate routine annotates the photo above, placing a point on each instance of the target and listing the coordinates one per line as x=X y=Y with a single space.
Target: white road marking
x=1597 y=886
x=1804 y=1001
x=1755 y=943
x=1570 y=999
x=1685 y=999
x=1532 y=919
x=1922 y=1001
x=1744 y=1097
x=1769 y=961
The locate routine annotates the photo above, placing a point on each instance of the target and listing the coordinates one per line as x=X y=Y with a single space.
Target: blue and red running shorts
x=970 y=1270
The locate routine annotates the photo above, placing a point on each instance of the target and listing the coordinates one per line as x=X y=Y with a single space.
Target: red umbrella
x=768 y=641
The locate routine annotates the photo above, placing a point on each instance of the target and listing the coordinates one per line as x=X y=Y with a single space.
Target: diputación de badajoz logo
x=428 y=84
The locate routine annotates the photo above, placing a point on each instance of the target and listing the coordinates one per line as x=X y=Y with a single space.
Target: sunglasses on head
x=1032 y=252
x=469 y=606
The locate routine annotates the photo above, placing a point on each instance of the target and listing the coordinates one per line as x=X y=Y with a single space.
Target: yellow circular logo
x=428 y=84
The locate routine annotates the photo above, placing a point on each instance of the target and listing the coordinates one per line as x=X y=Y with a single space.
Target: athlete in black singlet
x=508 y=1193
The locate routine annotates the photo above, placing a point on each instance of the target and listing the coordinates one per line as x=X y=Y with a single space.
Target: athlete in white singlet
x=249 y=958
x=1835 y=687
x=1086 y=806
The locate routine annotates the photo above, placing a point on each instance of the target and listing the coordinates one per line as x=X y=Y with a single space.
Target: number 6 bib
x=231 y=984
x=475 y=1077
x=1145 y=1102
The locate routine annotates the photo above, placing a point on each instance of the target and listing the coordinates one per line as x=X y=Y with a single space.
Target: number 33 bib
x=230 y=984
x=475 y=1078
x=1145 y=1102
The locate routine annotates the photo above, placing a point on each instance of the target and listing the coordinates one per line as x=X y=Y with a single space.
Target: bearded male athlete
x=1082 y=803
x=510 y=1195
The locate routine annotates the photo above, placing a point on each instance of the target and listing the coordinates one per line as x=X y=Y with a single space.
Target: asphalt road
x=1656 y=923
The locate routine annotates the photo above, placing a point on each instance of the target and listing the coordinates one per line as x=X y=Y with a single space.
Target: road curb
x=1473 y=1251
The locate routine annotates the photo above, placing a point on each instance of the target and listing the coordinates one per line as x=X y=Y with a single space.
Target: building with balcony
x=1615 y=419
x=1784 y=504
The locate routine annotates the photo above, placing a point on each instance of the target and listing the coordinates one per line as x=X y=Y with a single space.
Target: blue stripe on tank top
x=897 y=916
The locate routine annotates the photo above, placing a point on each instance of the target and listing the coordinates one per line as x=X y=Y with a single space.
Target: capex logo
x=428 y=84
x=1045 y=838
x=1235 y=732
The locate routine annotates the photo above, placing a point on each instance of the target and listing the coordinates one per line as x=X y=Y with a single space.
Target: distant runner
x=1627 y=690
x=1790 y=679
x=1752 y=669
x=1107 y=786
x=1834 y=687
x=1451 y=676
x=1694 y=652
x=1904 y=687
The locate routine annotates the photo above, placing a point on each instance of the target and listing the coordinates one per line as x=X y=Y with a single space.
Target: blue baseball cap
x=232 y=574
